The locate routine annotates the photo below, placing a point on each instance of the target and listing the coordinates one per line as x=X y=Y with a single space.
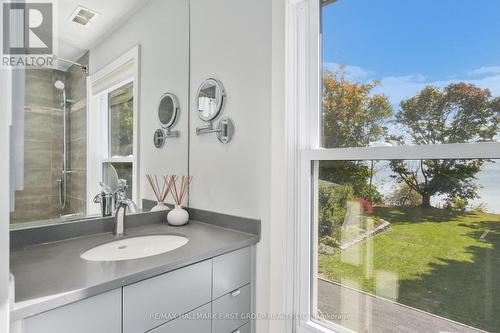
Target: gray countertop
x=53 y=274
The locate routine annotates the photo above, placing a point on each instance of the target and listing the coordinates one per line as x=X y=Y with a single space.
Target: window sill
x=313 y=327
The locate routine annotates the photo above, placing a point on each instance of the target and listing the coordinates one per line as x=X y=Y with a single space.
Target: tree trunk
x=426 y=201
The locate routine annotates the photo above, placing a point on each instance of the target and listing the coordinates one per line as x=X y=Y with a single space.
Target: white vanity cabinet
x=231 y=310
x=212 y=296
x=243 y=329
x=97 y=314
x=218 y=289
x=152 y=302
x=196 y=321
x=231 y=271
x=231 y=304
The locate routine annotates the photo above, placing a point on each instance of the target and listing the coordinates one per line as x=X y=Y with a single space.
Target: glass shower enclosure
x=49 y=143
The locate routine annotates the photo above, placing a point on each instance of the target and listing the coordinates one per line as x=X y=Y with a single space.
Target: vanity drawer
x=197 y=321
x=243 y=329
x=149 y=303
x=231 y=311
x=97 y=314
x=231 y=271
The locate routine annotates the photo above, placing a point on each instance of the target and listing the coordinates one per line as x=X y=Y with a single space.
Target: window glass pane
x=410 y=72
x=121 y=121
x=124 y=171
x=408 y=246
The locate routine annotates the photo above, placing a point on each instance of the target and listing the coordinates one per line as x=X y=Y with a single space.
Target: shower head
x=59 y=85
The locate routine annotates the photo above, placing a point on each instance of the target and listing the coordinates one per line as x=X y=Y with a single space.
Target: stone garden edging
x=382 y=227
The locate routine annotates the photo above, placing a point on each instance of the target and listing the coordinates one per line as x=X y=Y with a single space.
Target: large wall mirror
x=86 y=124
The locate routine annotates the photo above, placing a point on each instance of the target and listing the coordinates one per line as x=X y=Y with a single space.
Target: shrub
x=457 y=204
x=371 y=194
x=332 y=208
x=481 y=208
x=367 y=205
x=329 y=241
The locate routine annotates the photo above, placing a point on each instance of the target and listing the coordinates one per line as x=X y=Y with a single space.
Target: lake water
x=487 y=180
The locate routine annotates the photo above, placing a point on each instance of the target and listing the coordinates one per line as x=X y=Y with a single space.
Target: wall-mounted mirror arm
x=224 y=129
x=206 y=129
x=161 y=135
x=170 y=134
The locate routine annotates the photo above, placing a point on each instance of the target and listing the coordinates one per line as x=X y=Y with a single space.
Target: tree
x=453 y=178
x=353 y=116
x=404 y=196
x=459 y=113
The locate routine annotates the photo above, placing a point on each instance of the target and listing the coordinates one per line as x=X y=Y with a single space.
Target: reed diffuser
x=178 y=215
x=162 y=192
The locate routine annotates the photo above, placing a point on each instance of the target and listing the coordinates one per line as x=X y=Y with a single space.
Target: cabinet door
x=232 y=310
x=231 y=271
x=152 y=302
x=197 y=321
x=98 y=314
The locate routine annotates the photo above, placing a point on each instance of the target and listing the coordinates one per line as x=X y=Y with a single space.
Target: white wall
x=231 y=41
x=161 y=28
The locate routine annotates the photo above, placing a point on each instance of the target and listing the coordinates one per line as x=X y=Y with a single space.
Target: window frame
x=126 y=68
x=303 y=95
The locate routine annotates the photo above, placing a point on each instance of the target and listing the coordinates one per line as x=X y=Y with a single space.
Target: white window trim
x=303 y=96
x=100 y=139
x=301 y=69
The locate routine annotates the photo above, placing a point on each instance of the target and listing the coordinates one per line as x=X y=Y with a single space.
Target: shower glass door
x=49 y=116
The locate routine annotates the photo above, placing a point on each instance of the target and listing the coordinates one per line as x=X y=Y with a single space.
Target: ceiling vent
x=83 y=16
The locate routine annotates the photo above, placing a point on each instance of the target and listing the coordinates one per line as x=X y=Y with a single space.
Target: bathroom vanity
x=205 y=285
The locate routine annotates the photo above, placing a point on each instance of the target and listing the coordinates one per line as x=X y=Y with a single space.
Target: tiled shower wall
x=42 y=147
x=43 y=144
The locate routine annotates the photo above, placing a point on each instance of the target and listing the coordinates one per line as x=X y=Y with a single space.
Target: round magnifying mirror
x=210 y=99
x=167 y=110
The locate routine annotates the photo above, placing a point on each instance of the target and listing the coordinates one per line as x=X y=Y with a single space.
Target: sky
x=408 y=44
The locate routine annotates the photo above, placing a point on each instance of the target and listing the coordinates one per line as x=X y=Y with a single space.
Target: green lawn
x=444 y=263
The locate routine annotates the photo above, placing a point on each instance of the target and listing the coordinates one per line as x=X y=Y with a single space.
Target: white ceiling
x=74 y=39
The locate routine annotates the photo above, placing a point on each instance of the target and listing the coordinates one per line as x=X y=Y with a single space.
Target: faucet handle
x=121 y=192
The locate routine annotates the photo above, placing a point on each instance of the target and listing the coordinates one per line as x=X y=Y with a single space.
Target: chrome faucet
x=121 y=206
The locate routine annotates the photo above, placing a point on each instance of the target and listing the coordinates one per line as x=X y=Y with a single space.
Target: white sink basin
x=134 y=247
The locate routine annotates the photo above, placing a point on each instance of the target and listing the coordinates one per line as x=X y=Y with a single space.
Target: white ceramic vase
x=178 y=216
x=160 y=206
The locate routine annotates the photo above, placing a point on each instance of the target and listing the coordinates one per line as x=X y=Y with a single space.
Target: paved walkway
x=364 y=313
